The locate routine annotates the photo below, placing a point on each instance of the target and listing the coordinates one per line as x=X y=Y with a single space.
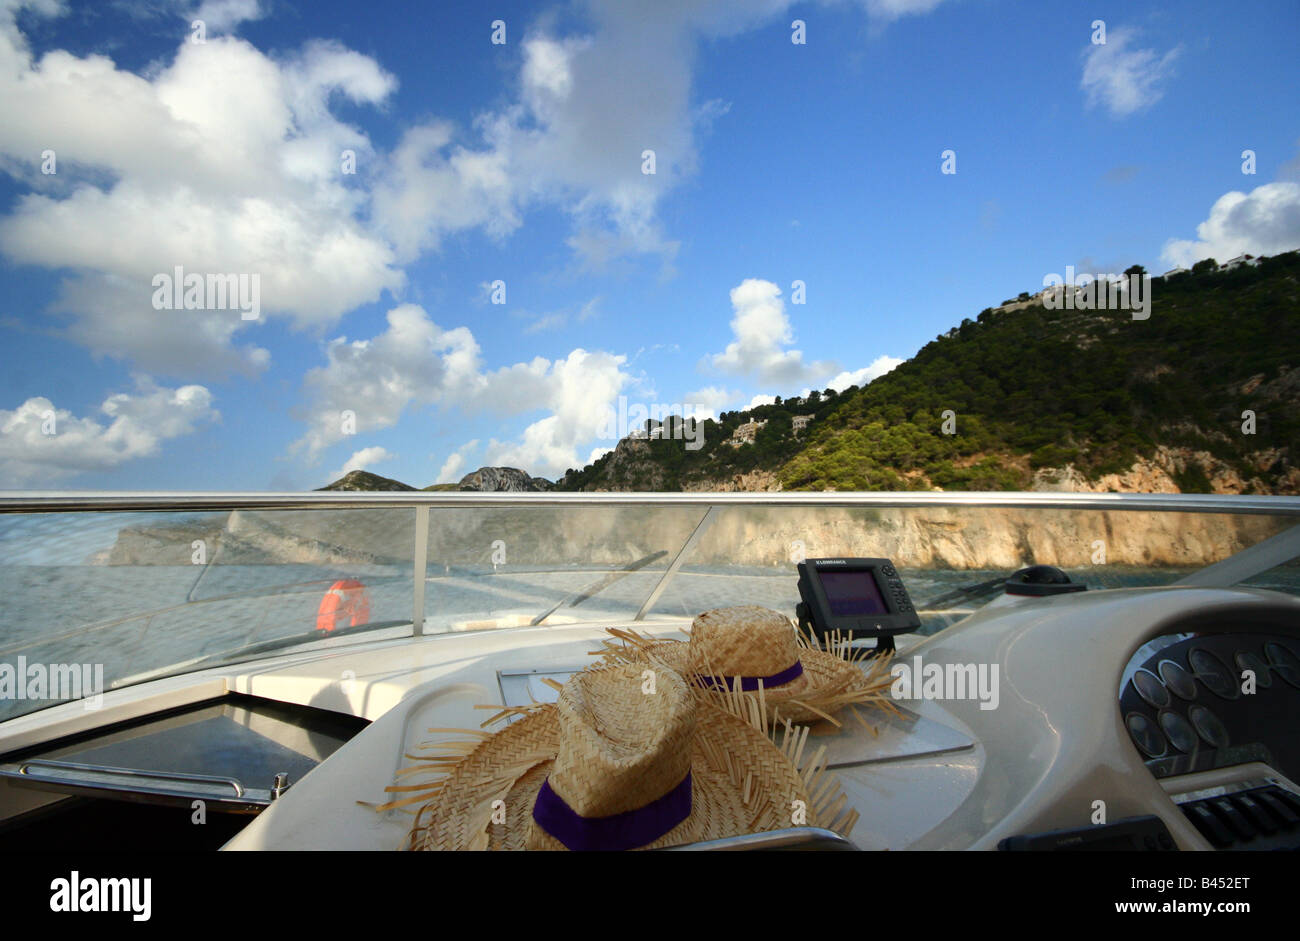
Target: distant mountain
x=494 y=479
x=1201 y=396
x=485 y=479
x=364 y=480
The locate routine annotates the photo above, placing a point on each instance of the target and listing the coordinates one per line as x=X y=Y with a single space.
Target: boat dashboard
x=1203 y=701
x=1145 y=718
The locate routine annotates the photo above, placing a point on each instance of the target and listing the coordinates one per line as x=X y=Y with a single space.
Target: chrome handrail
x=130 y=773
x=69 y=501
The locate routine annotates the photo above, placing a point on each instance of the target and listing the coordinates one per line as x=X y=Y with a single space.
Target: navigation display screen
x=852 y=593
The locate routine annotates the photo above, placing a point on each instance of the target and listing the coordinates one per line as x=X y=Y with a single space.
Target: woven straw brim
x=741 y=783
x=824 y=677
x=833 y=679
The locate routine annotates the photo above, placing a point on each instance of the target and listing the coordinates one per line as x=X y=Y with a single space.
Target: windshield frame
x=1286 y=542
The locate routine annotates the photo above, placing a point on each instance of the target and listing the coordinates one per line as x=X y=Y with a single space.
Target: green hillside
x=1033 y=388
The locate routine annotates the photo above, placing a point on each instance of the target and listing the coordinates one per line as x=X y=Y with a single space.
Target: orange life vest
x=346 y=598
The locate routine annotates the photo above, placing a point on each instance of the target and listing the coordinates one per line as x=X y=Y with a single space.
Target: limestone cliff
x=947 y=538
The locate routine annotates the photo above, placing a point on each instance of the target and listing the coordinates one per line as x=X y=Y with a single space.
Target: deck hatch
x=226 y=752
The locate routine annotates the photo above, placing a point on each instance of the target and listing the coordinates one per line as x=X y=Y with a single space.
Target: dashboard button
x=1284 y=662
x=1211 y=826
x=1234 y=818
x=1151 y=689
x=1180 y=731
x=1255 y=812
x=1214 y=673
x=1269 y=798
x=1250 y=661
x=1208 y=726
x=1146 y=735
x=1181 y=683
x=1287 y=797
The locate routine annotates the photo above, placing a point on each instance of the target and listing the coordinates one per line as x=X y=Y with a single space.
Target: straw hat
x=610 y=766
x=759 y=651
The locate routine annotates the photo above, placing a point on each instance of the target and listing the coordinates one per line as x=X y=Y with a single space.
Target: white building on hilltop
x=745 y=433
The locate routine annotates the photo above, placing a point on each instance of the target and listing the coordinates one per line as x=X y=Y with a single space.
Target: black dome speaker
x=1040 y=580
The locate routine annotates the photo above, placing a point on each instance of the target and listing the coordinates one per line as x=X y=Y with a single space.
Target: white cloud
x=579 y=391
x=451 y=470
x=568 y=138
x=1264 y=222
x=220 y=16
x=1122 y=79
x=860 y=377
x=363 y=460
x=223 y=161
x=761 y=399
x=113 y=316
x=415 y=363
x=762 y=331
x=226 y=159
x=430 y=188
x=708 y=402
x=887 y=10
x=137 y=424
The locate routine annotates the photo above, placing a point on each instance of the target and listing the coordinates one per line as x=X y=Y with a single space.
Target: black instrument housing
x=897 y=615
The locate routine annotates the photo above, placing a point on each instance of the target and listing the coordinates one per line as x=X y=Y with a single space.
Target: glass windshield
x=131 y=596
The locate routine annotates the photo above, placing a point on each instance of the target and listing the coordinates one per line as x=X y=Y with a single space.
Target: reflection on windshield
x=134 y=595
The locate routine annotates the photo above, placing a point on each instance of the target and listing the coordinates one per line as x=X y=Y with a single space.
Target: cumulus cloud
x=42 y=443
x=363 y=460
x=415 y=363
x=1265 y=221
x=1123 y=79
x=762 y=332
x=578 y=391
x=223 y=15
x=568 y=138
x=227 y=160
x=708 y=402
x=431 y=187
x=224 y=161
x=860 y=377
x=452 y=468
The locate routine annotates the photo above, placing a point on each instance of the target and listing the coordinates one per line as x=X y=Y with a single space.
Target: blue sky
x=521 y=163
